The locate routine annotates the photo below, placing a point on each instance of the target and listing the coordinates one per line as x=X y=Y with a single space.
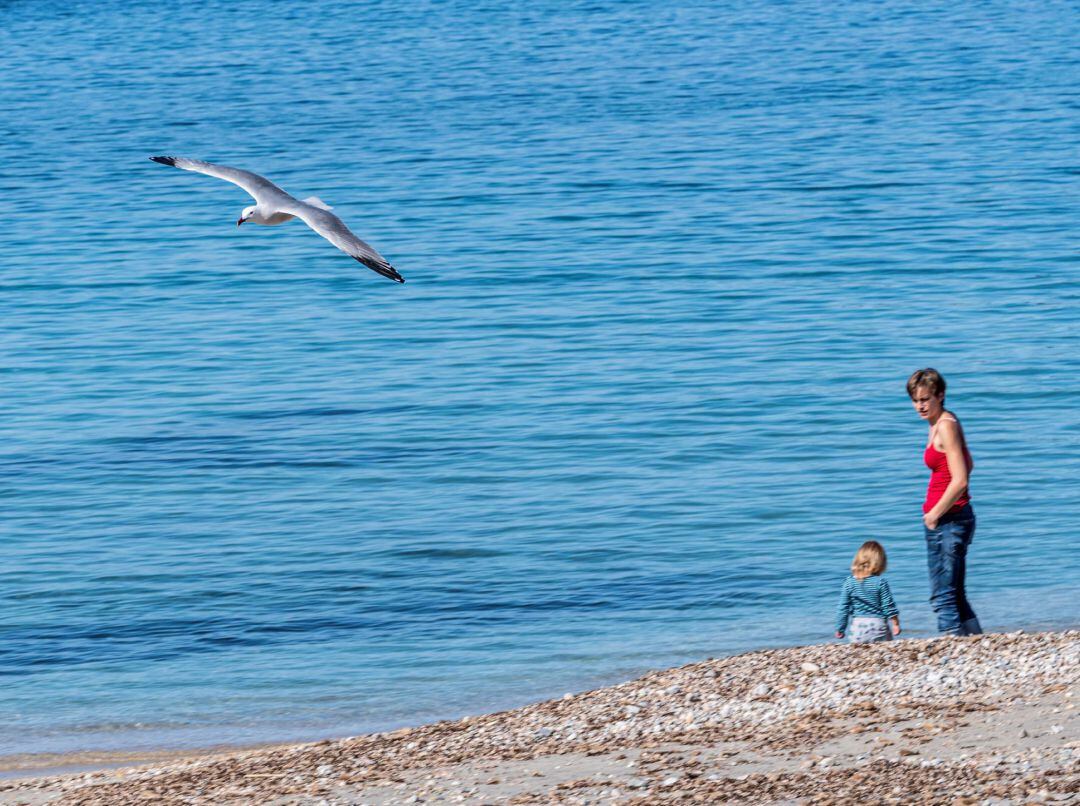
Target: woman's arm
x=953 y=441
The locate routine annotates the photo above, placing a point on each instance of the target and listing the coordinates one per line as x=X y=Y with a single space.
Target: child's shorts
x=868 y=629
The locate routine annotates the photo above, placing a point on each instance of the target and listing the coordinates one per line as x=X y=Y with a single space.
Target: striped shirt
x=864 y=597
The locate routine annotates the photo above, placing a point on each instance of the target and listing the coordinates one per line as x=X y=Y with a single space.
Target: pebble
x=895 y=680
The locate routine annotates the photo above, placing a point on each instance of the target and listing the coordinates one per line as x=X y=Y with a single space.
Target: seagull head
x=247 y=213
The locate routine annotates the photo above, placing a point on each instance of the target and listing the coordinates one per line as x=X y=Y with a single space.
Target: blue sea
x=669 y=265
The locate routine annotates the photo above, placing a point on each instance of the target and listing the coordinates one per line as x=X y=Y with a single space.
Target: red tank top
x=940 y=478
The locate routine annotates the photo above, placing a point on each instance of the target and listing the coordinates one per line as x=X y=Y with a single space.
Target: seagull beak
x=240 y=221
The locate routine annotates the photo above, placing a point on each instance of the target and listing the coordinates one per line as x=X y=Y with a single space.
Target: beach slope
x=944 y=720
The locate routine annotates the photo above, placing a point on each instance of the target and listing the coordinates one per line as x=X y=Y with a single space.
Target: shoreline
x=992 y=715
x=14 y=765
x=26 y=765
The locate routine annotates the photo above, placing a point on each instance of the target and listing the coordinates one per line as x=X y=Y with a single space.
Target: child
x=866 y=598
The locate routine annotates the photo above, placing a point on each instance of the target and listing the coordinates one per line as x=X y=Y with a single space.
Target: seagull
x=275 y=206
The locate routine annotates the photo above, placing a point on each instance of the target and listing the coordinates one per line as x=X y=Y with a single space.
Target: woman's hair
x=869 y=560
x=930 y=378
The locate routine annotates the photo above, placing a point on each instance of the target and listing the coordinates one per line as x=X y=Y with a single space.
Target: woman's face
x=926 y=403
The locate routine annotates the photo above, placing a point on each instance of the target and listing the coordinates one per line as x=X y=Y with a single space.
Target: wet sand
x=52 y=764
x=943 y=720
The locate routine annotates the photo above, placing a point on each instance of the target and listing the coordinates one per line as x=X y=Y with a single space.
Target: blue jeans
x=946 y=558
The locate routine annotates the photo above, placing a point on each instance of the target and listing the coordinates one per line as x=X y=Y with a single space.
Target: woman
x=948 y=519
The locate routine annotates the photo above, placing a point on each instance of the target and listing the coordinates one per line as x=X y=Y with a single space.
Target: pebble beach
x=989 y=719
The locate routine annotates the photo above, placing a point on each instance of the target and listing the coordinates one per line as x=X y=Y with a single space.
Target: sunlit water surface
x=668 y=268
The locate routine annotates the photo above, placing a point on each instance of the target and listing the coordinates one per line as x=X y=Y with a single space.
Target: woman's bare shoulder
x=948 y=431
x=948 y=422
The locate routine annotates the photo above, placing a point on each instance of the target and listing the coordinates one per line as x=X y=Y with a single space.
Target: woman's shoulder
x=948 y=421
x=948 y=430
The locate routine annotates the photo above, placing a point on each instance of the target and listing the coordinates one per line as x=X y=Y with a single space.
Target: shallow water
x=641 y=398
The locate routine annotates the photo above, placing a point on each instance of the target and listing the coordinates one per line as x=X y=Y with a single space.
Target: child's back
x=867 y=600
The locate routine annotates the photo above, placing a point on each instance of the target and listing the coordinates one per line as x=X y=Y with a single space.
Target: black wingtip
x=165 y=160
x=385 y=269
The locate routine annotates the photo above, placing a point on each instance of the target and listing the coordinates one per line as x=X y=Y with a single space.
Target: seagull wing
x=260 y=188
x=334 y=230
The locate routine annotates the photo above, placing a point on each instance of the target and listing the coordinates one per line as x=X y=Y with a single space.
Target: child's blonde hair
x=869 y=561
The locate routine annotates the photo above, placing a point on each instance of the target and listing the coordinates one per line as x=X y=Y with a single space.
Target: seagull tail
x=382 y=267
x=165 y=160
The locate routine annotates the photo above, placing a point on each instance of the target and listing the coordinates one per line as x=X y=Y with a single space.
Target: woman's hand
x=839 y=634
x=931 y=520
x=895 y=626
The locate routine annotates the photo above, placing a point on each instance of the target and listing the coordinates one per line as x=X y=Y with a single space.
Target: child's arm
x=888 y=606
x=843 y=611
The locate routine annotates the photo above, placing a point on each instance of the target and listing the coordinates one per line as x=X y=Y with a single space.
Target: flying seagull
x=275 y=206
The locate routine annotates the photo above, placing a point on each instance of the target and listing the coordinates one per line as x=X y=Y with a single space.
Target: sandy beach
x=945 y=720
